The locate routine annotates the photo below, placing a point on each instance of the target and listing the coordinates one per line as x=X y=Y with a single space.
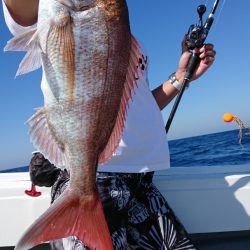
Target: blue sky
x=160 y=26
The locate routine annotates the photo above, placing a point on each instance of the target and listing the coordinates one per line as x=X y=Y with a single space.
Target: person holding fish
x=101 y=122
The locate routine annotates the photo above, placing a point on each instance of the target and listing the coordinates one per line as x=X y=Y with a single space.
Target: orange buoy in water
x=228 y=117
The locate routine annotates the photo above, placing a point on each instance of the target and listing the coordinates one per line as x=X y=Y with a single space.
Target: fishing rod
x=195 y=38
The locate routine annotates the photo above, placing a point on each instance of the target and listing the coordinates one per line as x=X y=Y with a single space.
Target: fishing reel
x=197 y=34
x=195 y=38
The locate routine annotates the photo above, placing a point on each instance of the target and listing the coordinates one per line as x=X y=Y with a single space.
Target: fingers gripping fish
x=89 y=60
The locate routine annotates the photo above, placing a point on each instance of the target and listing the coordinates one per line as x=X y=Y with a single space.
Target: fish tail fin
x=70 y=216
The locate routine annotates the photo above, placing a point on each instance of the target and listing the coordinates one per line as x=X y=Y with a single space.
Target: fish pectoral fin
x=70 y=216
x=61 y=48
x=43 y=139
x=26 y=42
x=133 y=75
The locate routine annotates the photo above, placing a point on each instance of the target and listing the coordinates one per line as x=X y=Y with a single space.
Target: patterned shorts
x=137 y=214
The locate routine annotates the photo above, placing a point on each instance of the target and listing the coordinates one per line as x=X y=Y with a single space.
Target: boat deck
x=212 y=203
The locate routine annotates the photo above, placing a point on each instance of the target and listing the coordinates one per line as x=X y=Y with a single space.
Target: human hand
x=206 y=54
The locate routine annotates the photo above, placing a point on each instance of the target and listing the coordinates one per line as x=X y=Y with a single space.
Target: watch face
x=172 y=78
x=175 y=82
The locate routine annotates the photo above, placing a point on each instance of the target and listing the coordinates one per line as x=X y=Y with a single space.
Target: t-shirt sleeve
x=14 y=27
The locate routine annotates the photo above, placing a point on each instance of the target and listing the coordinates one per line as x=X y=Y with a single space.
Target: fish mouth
x=75 y=6
x=83 y=7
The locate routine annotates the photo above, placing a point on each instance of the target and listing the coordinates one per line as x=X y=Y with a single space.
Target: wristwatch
x=173 y=80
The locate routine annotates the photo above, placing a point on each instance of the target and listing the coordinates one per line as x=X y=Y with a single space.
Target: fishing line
x=218 y=18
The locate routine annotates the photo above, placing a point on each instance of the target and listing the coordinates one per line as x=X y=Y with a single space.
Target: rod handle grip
x=192 y=66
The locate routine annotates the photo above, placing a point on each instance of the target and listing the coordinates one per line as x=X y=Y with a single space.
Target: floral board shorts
x=137 y=214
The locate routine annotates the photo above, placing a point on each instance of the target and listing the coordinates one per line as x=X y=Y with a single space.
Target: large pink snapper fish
x=89 y=60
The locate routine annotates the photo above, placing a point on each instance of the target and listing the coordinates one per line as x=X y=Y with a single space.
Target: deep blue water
x=14 y=170
x=206 y=150
x=211 y=150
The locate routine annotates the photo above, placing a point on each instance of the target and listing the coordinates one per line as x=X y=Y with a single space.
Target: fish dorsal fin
x=26 y=42
x=133 y=74
x=43 y=139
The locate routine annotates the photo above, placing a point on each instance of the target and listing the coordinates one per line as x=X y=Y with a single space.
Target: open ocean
x=206 y=150
x=211 y=150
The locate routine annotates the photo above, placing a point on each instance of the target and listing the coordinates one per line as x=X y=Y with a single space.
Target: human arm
x=166 y=92
x=24 y=12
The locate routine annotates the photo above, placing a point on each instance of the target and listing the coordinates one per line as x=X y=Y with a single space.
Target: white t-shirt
x=144 y=145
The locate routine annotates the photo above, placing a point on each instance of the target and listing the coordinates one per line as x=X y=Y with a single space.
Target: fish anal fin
x=70 y=216
x=133 y=75
x=43 y=139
